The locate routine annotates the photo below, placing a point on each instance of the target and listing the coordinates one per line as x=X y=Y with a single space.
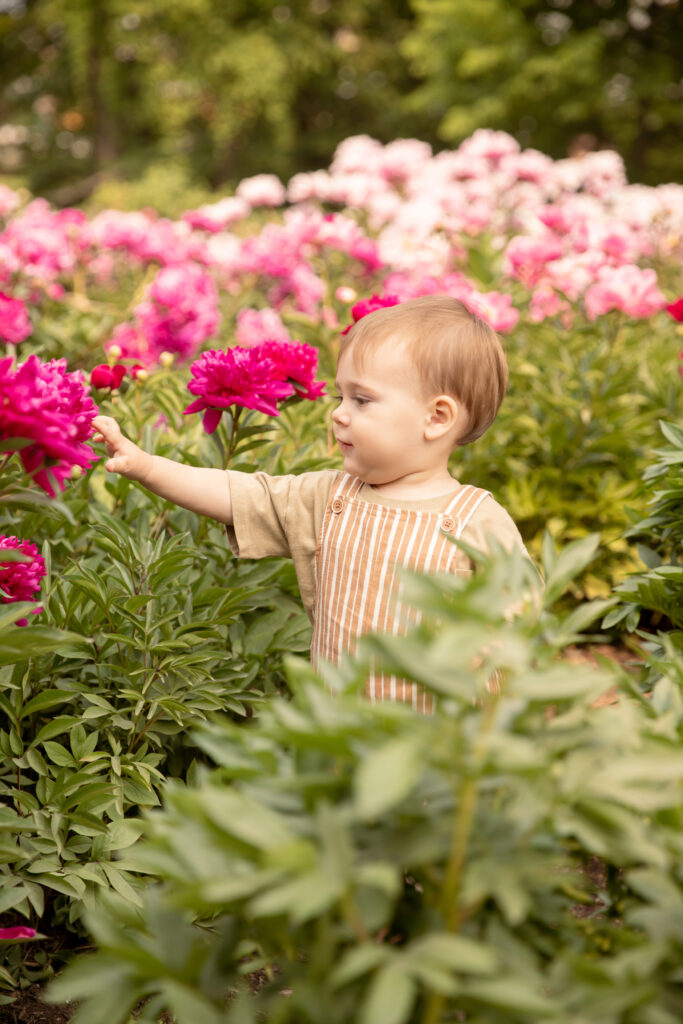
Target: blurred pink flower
x=525 y=257
x=51 y=407
x=675 y=309
x=9 y=200
x=181 y=311
x=20 y=581
x=262 y=190
x=45 y=241
x=628 y=288
x=546 y=302
x=366 y=306
x=257 y=325
x=14 y=322
x=18 y=932
x=492 y=145
x=104 y=376
x=218 y=216
x=493 y=307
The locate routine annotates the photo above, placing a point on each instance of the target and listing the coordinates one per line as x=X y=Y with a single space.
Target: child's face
x=381 y=417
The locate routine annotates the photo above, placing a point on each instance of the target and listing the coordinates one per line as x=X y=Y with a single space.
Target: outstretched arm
x=204 y=491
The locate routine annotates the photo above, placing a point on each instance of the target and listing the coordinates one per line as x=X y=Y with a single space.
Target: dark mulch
x=29 y=1008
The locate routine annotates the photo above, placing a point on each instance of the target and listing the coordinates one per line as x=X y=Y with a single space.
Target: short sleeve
x=492 y=520
x=280 y=516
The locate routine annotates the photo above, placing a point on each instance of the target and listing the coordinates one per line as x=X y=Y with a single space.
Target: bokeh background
x=115 y=102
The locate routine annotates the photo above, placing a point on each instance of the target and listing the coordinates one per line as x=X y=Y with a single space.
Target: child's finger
x=107 y=429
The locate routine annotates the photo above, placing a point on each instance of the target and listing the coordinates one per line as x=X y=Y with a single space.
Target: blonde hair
x=453 y=351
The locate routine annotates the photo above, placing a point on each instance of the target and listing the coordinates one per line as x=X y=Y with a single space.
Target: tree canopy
x=96 y=88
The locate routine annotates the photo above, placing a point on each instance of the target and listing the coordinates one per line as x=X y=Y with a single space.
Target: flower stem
x=463 y=823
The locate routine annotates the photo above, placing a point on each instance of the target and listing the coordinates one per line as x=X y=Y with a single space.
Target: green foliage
x=574 y=431
x=149 y=626
x=658 y=590
x=373 y=864
x=546 y=72
x=107 y=88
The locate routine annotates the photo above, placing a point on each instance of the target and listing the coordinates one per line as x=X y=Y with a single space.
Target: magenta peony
x=105 y=377
x=675 y=309
x=366 y=306
x=296 y=364
x=19 y=931
x=15 y=325
x=45 y=404
x=20 y=581
x=254 y=378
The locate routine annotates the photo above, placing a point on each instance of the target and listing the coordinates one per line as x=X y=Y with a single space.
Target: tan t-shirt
x=283 y=515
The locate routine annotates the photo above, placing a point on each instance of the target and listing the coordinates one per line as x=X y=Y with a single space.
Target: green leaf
x=390 y=997
x=360 y=960
x=188 y=1006
x=560 y=569
x=386 y=776
x=513 y=995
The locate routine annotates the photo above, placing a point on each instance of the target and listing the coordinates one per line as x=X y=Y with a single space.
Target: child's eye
x=359 y=400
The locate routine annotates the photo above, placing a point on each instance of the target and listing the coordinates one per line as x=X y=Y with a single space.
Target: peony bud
x=76 y=472
x=346 y=294
x=167 y=359
x=114 y=352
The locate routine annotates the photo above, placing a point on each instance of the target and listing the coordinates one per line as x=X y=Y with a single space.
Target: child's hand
x=125 y=457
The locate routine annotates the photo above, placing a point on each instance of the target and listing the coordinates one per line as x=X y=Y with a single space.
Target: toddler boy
x=414 y=382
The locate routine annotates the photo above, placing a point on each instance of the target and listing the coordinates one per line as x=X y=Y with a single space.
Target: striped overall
x=359 y=545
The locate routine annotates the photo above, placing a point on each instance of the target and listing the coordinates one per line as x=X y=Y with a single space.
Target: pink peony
x=628 y=288
x=218 y=216
x=9 y=200
x=133 y=344
x=295 y=363
x=546 y=302
x=234 y=377
x=366 y=306
x=45 y=404
x=181 y=311
x=493 y=307
x=105 y=377
x=262 y=190
x=18 y=932
x=15 y=325
x=254 y=378
x=20 y=581
x=675 y=309
x=526 y=258
x=257 y=325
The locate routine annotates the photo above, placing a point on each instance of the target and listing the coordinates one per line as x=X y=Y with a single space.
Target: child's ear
x=443 y=415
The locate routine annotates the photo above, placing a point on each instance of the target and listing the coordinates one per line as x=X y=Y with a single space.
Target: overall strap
x=347 y=486
x=465 y=504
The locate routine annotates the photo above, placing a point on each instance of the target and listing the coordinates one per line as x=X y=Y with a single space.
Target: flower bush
x=48 y=411
x=150 y=629
x=20 y=580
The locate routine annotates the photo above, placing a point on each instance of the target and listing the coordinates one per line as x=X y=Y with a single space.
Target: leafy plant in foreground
x=378 y=865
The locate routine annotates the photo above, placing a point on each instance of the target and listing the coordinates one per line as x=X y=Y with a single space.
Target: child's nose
x=340 y=415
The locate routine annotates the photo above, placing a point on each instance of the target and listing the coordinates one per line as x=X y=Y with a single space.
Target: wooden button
x=337 y=505
x=447 y=524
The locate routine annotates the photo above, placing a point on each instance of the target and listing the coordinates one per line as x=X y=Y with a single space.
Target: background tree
x=212 y=92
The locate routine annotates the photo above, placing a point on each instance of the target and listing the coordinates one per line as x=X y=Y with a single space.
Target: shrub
x=372 y=864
